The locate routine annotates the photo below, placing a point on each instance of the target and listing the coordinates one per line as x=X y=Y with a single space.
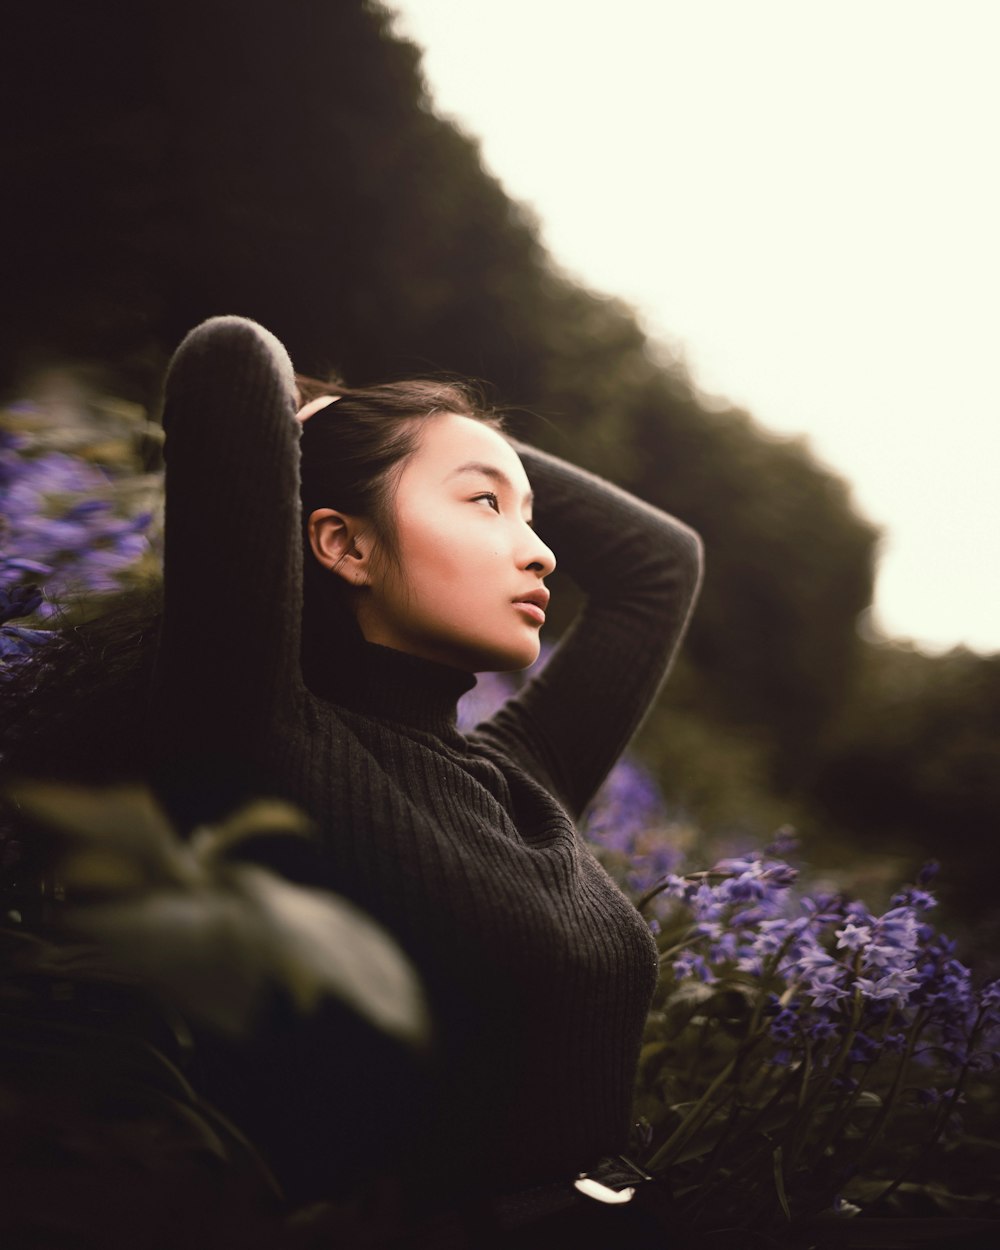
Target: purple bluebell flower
x=675 y=887
x=16 y=641
x=63 y=522
x=18 y=600
x=772 y=935
x=488 y=695
x=705 y=901
x=784 y=843
x=754 y=879
x=724 y=948
x=626 y=805
x=690 y=963
x=853 y=936
x=821 y=1028
x=812 y=959
x=911 y=896
x=628 y=826
x=652 y=860
x=785 y=1026
x=492 y=690
x=826 y=986
x=989 y=997
x=894 y=986
x=823 y=908
x=12 y=568
x=751 y=964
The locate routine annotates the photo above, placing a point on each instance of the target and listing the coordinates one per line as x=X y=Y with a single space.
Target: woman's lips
x=531 y=610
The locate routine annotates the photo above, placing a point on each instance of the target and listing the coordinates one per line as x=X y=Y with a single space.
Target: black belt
x=612 y=1180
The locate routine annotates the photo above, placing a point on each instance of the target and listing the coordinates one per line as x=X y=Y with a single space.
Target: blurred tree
x=914 y=763
x=789 y=569
x=84 y=210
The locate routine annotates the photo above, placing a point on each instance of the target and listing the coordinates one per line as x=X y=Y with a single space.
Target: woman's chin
x=510 y=661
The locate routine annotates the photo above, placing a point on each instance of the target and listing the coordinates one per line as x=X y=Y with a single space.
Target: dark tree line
x=280 y=159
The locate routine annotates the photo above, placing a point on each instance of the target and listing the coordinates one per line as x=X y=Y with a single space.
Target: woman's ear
x=339 y=544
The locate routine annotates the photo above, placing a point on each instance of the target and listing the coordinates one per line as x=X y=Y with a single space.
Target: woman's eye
x=490 y=498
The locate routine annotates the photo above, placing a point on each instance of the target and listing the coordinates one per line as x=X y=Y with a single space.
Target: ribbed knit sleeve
x=640 y=570
x=228 y=661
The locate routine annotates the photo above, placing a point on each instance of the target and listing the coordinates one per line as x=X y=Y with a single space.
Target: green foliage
x=205 y=928
x=166 y=1033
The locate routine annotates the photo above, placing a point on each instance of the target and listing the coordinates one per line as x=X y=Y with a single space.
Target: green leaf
x=217 y=954
x=323 y=944
x=125 y=823
x=214 y=936
x=262 y=817
x=779 y=1182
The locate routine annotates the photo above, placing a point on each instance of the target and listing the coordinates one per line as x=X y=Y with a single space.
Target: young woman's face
x=468 y=589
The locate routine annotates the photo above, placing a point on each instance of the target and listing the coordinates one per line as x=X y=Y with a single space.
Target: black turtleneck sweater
x=539 y=971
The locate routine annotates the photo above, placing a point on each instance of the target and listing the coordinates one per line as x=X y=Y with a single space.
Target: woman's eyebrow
x=492 y=472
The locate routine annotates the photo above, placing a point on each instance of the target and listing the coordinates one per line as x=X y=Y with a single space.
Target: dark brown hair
x=353 y=452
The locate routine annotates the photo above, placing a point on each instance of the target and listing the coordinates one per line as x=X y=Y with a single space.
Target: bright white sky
x=803 y=199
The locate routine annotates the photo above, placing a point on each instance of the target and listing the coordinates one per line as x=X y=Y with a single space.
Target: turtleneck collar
x=392 y=685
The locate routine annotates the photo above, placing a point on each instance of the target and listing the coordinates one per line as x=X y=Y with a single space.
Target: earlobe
x=335 y=541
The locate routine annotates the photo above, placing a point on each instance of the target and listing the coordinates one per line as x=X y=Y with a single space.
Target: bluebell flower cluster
x=64 y=534
x=839 y=966
x=856 y=1036
x=630 y=829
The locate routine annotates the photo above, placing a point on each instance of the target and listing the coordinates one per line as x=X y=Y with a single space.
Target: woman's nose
x=541 y=559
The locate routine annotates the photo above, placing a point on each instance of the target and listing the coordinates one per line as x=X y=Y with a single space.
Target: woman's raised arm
x=228 y=661
x=640 y=570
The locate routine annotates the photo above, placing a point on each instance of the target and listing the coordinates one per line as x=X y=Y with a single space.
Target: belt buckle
x=613 y=1181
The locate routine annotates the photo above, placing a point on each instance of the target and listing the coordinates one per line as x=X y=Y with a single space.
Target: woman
x=424 y=564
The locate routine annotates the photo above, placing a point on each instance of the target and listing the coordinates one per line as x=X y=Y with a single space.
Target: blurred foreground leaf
x=211 y=934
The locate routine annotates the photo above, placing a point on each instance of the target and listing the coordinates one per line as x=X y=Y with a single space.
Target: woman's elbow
x=682 y=554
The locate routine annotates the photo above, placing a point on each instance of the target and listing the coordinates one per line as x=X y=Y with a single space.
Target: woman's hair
x=353 y=452
x=354 y=449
